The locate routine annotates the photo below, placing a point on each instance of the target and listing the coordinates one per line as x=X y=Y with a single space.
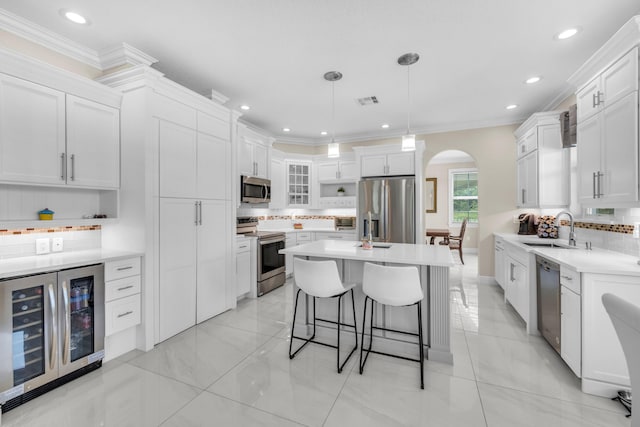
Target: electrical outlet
x=56 y=244
x=42 y=246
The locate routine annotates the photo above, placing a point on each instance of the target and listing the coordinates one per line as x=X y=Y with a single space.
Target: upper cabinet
x=401 y=163
x=607 y=135
x=337 y=171
x=254 y=155
x=542 y=165
x=48 y=137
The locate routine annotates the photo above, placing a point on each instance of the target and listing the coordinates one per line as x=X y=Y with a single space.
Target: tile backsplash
x=22 y=242
x=612 y=237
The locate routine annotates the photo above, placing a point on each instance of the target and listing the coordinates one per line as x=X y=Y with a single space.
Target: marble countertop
x=20 y=266
x=599 y=261
x=400 y=253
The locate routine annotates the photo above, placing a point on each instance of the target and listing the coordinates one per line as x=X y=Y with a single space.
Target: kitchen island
x=433 y=263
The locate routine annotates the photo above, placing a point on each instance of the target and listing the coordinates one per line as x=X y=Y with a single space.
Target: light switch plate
x=56 y=244
x=42 y=246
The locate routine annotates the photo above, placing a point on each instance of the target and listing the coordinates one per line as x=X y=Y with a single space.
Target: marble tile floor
x=233 y=370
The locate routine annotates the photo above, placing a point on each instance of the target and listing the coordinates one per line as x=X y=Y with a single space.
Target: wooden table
x=438 y=232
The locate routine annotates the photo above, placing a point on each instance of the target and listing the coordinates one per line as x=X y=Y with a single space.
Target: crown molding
x=124 y=54
x=216 y=96
x=561 y=96
x=106 y=59
x=39 y=35
x=537 y=119
x=625 y=39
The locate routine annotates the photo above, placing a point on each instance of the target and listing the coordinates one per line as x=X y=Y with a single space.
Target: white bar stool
x=626 y=322
x=397 y=287
x=320 y=279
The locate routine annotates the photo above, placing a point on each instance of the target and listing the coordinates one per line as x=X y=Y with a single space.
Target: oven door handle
x=263 y=242
x=265 y=191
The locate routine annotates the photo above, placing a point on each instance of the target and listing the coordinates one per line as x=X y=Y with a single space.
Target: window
x=463 y=191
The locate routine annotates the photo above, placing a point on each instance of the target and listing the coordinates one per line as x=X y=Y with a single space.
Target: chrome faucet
x=572 y=233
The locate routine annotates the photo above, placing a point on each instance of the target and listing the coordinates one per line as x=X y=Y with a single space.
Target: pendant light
x=333 y=149
x=408 y=140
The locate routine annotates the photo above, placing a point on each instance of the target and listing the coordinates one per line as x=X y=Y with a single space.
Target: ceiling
x=271 y=55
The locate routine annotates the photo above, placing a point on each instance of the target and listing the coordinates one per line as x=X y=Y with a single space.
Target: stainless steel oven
x=255 y=190
x=271 y=264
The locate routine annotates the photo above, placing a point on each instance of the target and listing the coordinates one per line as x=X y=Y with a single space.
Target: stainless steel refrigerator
x=390 y=203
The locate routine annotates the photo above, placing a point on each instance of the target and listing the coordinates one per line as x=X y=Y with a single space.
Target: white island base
x=433 y=263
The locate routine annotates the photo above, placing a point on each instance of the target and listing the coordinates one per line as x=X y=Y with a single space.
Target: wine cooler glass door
x=28 y=334
x=81 y=295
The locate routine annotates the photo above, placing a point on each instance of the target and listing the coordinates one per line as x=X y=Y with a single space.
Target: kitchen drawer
x=304 y=237
x=123 y=268
x=243 y=246
x=120 y=288
x=570 y=278
x=121 y=314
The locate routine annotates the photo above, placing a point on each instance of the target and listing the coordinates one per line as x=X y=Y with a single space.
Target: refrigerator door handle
x=67 y=323
x=53 y=348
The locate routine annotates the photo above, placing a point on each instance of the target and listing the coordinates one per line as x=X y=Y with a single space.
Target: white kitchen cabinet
x=93 y=144
x=616 y=82
x=192 y=262
x=606 y=176
x=337 y=171
x=212 y=259
x=122 y=295
x=278 y=184
x=543 y=164
x=192 y=164
x=571 y=329
x=47 y=137
x=499 y=261
x=603 y=361
x=253 y=157
x=290 y=242
x=391 y=164
x=32 y=132
x=243 y=262
x=517 y=289
x=334 y=235
x=298 y=183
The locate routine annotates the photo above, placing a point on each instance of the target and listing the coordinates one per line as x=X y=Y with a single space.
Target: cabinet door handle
x=600 y=97
x=594 y=100
x=67 y=324
x=511 y=276
x=523 y=202
x=129 y=267
x=125 y=314
x=196 y=206
x=599 y=176
x=124 y=288
x=73 y=167
x=53 y=342
x=63 y=167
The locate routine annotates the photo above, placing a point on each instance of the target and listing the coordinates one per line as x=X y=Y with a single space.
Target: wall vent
x=369 y=100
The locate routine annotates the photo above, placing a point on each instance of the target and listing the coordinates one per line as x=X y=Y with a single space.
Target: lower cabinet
x=570 y=329
x=193 y=263
x=517 y=285
x=499 y=262
x=122 y=295
x=243 y=270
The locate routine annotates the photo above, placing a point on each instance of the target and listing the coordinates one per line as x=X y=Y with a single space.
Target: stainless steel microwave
x=255 y=190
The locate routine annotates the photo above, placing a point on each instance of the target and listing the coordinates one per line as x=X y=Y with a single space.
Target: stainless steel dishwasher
x=548 y=289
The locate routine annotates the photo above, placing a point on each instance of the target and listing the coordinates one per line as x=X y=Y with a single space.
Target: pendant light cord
x=408 y=97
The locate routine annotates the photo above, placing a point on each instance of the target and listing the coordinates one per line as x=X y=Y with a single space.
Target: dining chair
x=455 y=242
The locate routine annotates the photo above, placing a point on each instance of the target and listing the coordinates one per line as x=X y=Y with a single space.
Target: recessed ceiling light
x=245 y=107
x=532 y=80
x=286 y=130
x=324 y=132
x=511 y=107
x=74 y=17
x=569 y=32
x=385 y=126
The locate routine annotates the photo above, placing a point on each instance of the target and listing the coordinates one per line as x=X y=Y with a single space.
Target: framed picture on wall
x=431 y=195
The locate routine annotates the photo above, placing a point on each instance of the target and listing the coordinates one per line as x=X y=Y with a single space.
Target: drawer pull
x=125 y=314
x=125 y=288
x=129 y=267
x=567 y=277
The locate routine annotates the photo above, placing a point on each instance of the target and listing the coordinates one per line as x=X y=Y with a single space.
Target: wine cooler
x=51 y=331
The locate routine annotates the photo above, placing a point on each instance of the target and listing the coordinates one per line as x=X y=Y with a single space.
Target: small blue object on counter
x=46 y=214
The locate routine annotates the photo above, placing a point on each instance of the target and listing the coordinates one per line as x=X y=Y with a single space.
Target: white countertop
x=400 y=253
x=20 y=266
x=597 y=260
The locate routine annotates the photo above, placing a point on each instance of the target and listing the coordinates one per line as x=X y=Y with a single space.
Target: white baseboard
x=487 y=280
